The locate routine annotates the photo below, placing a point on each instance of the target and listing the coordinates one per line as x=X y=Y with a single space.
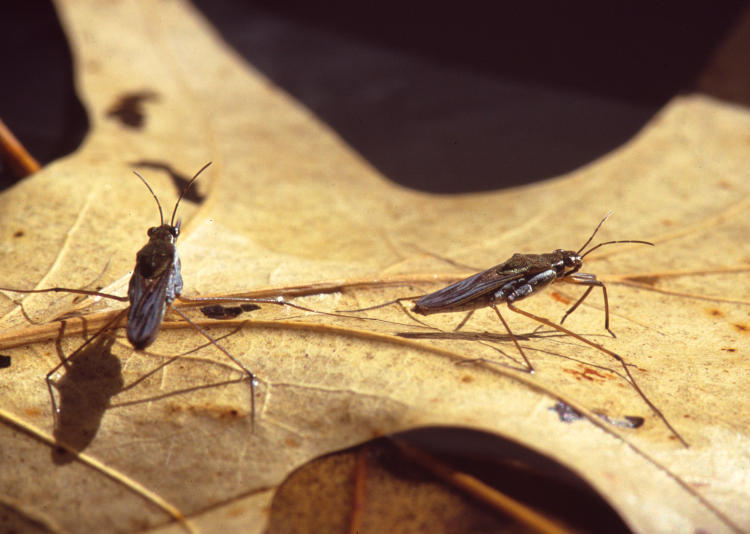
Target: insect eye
x=174 y=230
x=572 y=261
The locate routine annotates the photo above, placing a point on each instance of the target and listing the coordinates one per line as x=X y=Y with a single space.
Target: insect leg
x=65 y=360
x=512 y=336
x=586 y=279
x=464 y=321
x=239 y=364
x=67 y=290
x=400 y=302
x=383 y=304
x=59 y=290
x=614 y=355
x=278 y=301
x=578 y=303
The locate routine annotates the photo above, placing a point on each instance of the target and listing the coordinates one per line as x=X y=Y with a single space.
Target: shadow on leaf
x=90 y=381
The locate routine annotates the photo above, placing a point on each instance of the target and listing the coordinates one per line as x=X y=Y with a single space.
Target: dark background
x=464 y=97
x=441 y=99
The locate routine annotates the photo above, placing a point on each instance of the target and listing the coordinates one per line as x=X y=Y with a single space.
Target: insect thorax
x=157 y=256
x=565 y=261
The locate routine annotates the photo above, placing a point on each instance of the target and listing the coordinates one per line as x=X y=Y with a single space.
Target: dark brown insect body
x=516 y=278
x=156 y=282
x=519 y=277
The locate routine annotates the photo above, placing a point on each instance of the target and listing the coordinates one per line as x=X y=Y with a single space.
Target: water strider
x=519 y=277
x=154 y=285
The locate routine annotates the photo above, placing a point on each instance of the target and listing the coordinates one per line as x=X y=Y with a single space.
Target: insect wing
x=466 y=290
x=147 y=306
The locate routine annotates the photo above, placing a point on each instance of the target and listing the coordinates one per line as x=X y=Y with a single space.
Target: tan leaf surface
x=288 y=205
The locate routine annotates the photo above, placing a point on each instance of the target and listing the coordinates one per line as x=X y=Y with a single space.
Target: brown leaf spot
x=559 y=298
x=741 y=327
x=587 y=374
x=217 y=412
x=466 y=379
x=715 y=312
x=291 y=442
x=32 y=412
x=646 y=280
x=18 y=233
x=729 y=349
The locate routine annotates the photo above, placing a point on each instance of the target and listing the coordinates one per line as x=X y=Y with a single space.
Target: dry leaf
x=379 y=487
x=286 y=206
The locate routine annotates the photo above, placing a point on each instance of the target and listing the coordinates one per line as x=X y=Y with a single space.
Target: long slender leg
x=578 y=303
x=279 y=301
x=67 y=290
x=464 y=321
x=410 y=315
x=65 y=361
x=382 y=305
x=59 y=290
x=171 y=360
x=239 y=364
x=400 y=303
x=610 y=353
x=586 y=279
x=513 y=337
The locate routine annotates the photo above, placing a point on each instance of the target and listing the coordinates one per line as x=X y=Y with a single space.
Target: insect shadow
x=85 y=391
x=155 y=284
x=90 y=382
x=517 y=278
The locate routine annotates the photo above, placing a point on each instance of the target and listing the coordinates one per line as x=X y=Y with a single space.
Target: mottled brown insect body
x=516 y=278
x=155 y=284
x=521 y=276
